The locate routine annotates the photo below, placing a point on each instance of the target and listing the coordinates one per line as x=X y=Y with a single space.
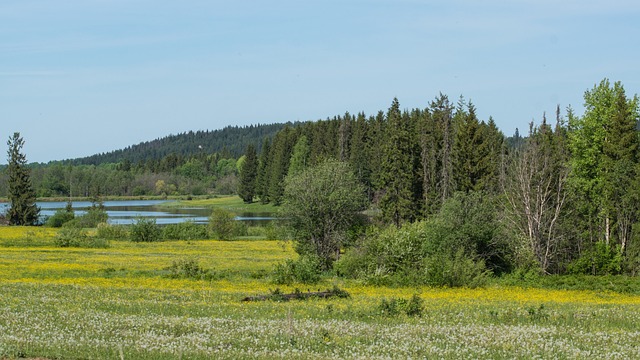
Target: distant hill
x=231 y=140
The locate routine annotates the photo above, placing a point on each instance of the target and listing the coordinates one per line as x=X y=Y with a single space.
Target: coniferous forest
x=443 y=187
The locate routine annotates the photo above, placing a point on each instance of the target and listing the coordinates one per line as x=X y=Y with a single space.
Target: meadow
x=122 y=302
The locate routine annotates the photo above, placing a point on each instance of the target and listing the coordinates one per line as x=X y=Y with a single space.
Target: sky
x=81 y=77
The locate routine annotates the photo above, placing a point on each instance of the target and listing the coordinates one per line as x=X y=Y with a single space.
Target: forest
x=442 y=187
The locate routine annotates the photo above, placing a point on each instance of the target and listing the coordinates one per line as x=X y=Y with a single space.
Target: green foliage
x=23 y=209
x=189 y=268
x=602 y=259
x=413 y=307
x=90 y=219
x=77 y=237
x=306 y=269
x=232 y=140
x=187 y=230
x=279 y=164
x=109 y=231
x=601 y=283
x=457 y=270
x=396 y=178
x=300 y=156
x=248 y=175
x=604 y=145
x=60 y=217
x=321 y=204
x=222 y=224
x=145 y=230
x=451 y=249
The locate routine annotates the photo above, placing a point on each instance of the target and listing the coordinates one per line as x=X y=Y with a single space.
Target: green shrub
x=188 y=269
x=222 y=224
x=455 y=270
x=60 y=218
x=77 y=237
x=145 y=230
x=108 y=231
x=395 y=306
x=92 y=218
x=602 y=259
x=460 y=246
x=187 y=230
x=306 y=269
x=276 y=231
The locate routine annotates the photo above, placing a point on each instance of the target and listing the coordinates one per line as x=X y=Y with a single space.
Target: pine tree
x=248 y=175
x=23 y=210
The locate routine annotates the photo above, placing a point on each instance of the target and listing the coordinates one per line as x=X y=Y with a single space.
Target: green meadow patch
x=183 y=299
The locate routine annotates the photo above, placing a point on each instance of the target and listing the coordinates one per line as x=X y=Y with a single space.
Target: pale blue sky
x=79 y=77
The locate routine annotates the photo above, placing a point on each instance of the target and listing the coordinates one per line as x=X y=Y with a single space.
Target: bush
x=455 y=271
x=395 y=306
x=222 y=224
x=145 y=230
x=108 y=231
x=306 y=269
x=90 y=219
x=60 y=218
x=460 y=246
x=187 y=230
x=76 y=237
x=188 y=269
x=602 y=259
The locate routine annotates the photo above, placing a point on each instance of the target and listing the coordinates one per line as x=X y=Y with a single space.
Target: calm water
x=127 y=211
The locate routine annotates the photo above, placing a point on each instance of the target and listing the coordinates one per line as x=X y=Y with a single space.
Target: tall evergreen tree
x=23 y=210
x=442 y=115
x=248 y=175
x=262 y=180
x=396 y=203
x=279 y=163
x=468 y=155
x=358 y=154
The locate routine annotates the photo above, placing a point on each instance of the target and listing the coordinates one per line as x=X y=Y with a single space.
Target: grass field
x=120 y=302
x=232 y=203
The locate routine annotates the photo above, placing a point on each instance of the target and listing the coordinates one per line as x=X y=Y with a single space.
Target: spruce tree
x=262 y=181
x=279 y=166
x=396 y=203
x=248 y=175
x=23 y=210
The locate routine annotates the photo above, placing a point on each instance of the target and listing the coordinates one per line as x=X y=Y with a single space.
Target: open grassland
x=231 y=203
x=120 y=302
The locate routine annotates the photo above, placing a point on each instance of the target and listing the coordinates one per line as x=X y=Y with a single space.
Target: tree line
x=564 y=198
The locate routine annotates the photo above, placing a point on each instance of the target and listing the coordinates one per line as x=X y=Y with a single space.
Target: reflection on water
x=127 y=211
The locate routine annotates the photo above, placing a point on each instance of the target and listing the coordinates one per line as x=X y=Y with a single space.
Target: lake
x=127 y=211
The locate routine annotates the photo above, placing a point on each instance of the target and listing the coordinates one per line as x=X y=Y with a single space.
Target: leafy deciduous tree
x=321 y=203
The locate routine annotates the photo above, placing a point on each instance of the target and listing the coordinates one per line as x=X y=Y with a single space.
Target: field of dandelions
x=120 y=303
